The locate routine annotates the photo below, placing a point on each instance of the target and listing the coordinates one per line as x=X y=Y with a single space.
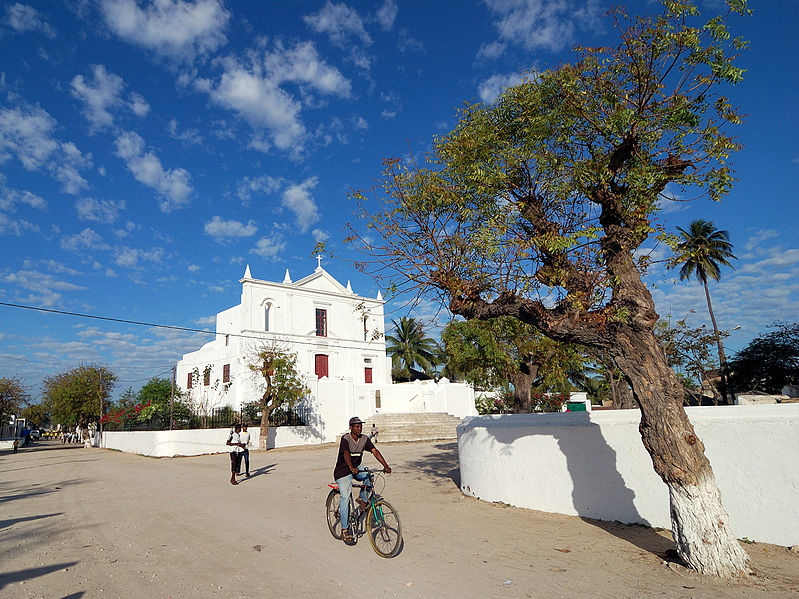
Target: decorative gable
x=321 y=280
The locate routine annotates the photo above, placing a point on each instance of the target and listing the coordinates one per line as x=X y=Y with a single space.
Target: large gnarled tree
x=536 y=207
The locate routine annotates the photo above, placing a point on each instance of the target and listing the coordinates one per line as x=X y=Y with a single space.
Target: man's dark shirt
x=364 y=443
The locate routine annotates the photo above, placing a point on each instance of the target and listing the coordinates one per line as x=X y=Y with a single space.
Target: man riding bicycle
x=350 y=453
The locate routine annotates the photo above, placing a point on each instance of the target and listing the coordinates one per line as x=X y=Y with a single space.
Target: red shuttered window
x=320 y=365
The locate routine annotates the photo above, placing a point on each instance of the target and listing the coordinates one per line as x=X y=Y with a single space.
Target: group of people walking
x=239 y=441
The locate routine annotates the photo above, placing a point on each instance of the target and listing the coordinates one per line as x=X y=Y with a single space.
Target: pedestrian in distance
x=244 y=437
x=373 y=434
x=236 y=449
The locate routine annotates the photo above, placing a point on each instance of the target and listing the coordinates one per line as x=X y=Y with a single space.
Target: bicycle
x=382 y=520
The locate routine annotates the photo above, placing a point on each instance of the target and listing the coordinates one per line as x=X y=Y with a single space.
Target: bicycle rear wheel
x=384 y=528
x=333 y=516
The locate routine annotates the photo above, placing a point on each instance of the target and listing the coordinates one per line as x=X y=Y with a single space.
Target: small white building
x=339 y=340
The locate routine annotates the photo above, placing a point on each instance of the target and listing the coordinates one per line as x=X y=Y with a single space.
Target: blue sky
x=149 y=151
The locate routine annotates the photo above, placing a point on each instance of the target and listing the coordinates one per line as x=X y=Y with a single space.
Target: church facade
x=338 y=338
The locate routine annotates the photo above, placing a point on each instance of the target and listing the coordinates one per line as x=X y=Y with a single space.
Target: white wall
x=201 y=441
x=594 y=465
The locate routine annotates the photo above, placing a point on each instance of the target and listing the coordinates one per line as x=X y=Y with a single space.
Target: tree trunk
x=265 y=413
x=625 y=395
x=720 y=345
x=700 y=524
x=522 y=381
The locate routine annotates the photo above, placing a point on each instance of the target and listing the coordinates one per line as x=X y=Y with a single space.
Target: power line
x=340 y=344
x=108 y=318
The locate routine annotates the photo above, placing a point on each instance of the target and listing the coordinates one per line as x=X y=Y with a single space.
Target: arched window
x=267 y=308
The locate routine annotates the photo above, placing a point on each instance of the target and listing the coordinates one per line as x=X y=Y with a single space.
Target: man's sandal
x=346 y=536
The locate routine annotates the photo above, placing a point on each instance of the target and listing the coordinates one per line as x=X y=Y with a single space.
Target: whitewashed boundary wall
x=594 y=465
x=161 y=444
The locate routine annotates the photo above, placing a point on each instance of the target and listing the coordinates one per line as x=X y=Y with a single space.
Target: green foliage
x=75 y=396
x=278 y=376
x=688 y=350
x=769 y=362
x=546 y=194
x=487 y=353
x=702 y=251
x=36 y=415
x=409 y=347
x=156 y=395
x=504 y=402
x=251 y=412
x=13 y=397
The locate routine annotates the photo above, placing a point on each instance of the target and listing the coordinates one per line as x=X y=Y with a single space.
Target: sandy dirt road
x=91 y=523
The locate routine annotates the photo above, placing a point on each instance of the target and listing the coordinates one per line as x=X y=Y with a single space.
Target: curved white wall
x=594 y=465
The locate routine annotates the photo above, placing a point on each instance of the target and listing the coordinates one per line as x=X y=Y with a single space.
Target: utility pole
x=172 y=398
x=100 y=389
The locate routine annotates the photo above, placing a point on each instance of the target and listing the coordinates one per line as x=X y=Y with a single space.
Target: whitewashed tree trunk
x=700 y=527
x=699 y=522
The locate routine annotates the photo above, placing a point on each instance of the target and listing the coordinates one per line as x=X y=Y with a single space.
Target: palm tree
x=702 y=252
x=409 y=347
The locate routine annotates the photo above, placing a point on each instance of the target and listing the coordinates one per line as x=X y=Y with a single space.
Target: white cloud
x=319 y=235
x=88 y=239
x=539 y=24
x=222 y=230
x=138 y=105
x=263 y=184
x=253 y=89
x=23 y=18
x=269 y=247
x=173 y=186
x=259 y=101
x=361 y=123
x=339 y=22
x=102 y=211
x=298 y=199
x=491 y=50
x=763 y=288
x=172 y=28
x=9 y=198
x=189 y=136
x=44 y=287
x=194 y=268
x=27 y=134
x=15 y=226
x=128 y=257
x=490 y=89
x=386 y=14
x=302 y=64
x=98 y=95
x=409 y=44
x=102 y=94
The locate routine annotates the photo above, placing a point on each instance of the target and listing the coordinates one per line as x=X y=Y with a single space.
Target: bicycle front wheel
x=384 y=528
x=333 y=516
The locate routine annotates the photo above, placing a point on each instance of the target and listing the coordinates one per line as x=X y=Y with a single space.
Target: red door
x=320 y=365
x=367 y=374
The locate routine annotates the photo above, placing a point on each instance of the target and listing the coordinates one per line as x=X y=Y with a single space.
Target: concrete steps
x=412 y=427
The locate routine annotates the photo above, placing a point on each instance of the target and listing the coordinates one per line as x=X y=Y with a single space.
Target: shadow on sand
x=591 y=465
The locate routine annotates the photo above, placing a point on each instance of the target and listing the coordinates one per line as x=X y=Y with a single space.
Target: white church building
x=339 y=340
